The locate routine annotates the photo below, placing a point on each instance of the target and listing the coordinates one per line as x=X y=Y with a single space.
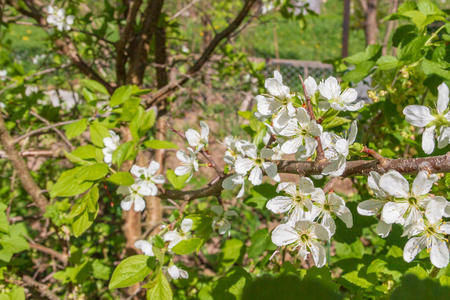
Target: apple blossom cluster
x=309 y=212
x=419 y=212
x=57 y=17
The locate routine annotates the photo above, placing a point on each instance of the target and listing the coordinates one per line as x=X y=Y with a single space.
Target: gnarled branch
x=433 y=164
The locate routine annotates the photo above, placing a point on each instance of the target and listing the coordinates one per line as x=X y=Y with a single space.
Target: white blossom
x=135 y=193
x=331 y=91
x=233 y=181
x=311 y=86
x=196 y=139
x=174 y=237
x=234 y=149
x=326 y=208
x=58 y=18
x=148 y=176
x=435 y=120
x=372 y=207
x=297 y=202
x=430 y=235
x=277 y=104
x=145 y=246
x=301 y=133
x=304 y=235
x=255 y=163
x=111 y=144
x=177 y=273
x=336 y=150
x=408 y=207
x=3 y=74
x=189 y=163
x=220 y=219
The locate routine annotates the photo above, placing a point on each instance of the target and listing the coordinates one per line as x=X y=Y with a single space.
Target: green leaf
x=100 y=270
x=411 y=50
x=92 y=172
x=67 y=185
x=360 y=72
x=260 y=194
x=187 y=246
x=407 y=6
x=430 y=67
x=147 y=121
x=84 y=152
x=123 y=152
x=84 y=220
x=4 y=226
x=387 y=62
x=98 y=133
x=121 y=95
x=354 y=278
x=259 y=243
x=75 y=129
x=75 y=159
x=334 y=122
x=130 y=107
x=416 y=17
x=232 y=251
x=141 y=123
x=232 y=285
x=258 y=139
x=177 y=181
x=131 y=270
x=94 y=86
x=121 y=178
x=88 y=95
x=160 y=288
x=429 y=8
x=157 y=144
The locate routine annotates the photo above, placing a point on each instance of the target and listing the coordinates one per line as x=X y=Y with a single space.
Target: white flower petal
x=311 y=86
x=126 y=205
x=443 y=97
x=139 y=203
x=256 y=176
x=439 y=254
x=370 y=207
x=413 y=247
x=243 y=165
x=428 y=140
x=393 y=212
x=279 y=204
x=383 y=229
x=284 y=235
x=423 y=183
x=395 y=184
x=418 y=115
x=186 y=225
x=319 y=255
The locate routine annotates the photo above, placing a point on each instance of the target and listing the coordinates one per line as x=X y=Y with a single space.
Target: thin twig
x=34 y=132
x=63 y=137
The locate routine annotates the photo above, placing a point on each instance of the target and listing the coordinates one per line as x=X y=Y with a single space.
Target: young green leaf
x=131 y=270
x=121 y=178
x=121 y=95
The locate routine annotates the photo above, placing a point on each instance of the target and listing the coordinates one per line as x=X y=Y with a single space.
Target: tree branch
x=166 y=91
x=20 y=166
x=433 y=164
x=42 y=288
x=59 y=256
x=45 y=128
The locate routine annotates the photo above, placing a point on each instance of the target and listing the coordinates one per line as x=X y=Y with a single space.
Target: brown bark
x=433 y=164
x=20 y=167
x=141 y=46
x=370 y=23
x=390 y=26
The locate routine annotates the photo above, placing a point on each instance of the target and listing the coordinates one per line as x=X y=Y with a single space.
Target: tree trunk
x=370 y=24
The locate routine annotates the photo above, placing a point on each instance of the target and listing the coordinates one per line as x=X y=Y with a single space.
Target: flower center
x=413 y=201
x=258 y=161
x=304 y=238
